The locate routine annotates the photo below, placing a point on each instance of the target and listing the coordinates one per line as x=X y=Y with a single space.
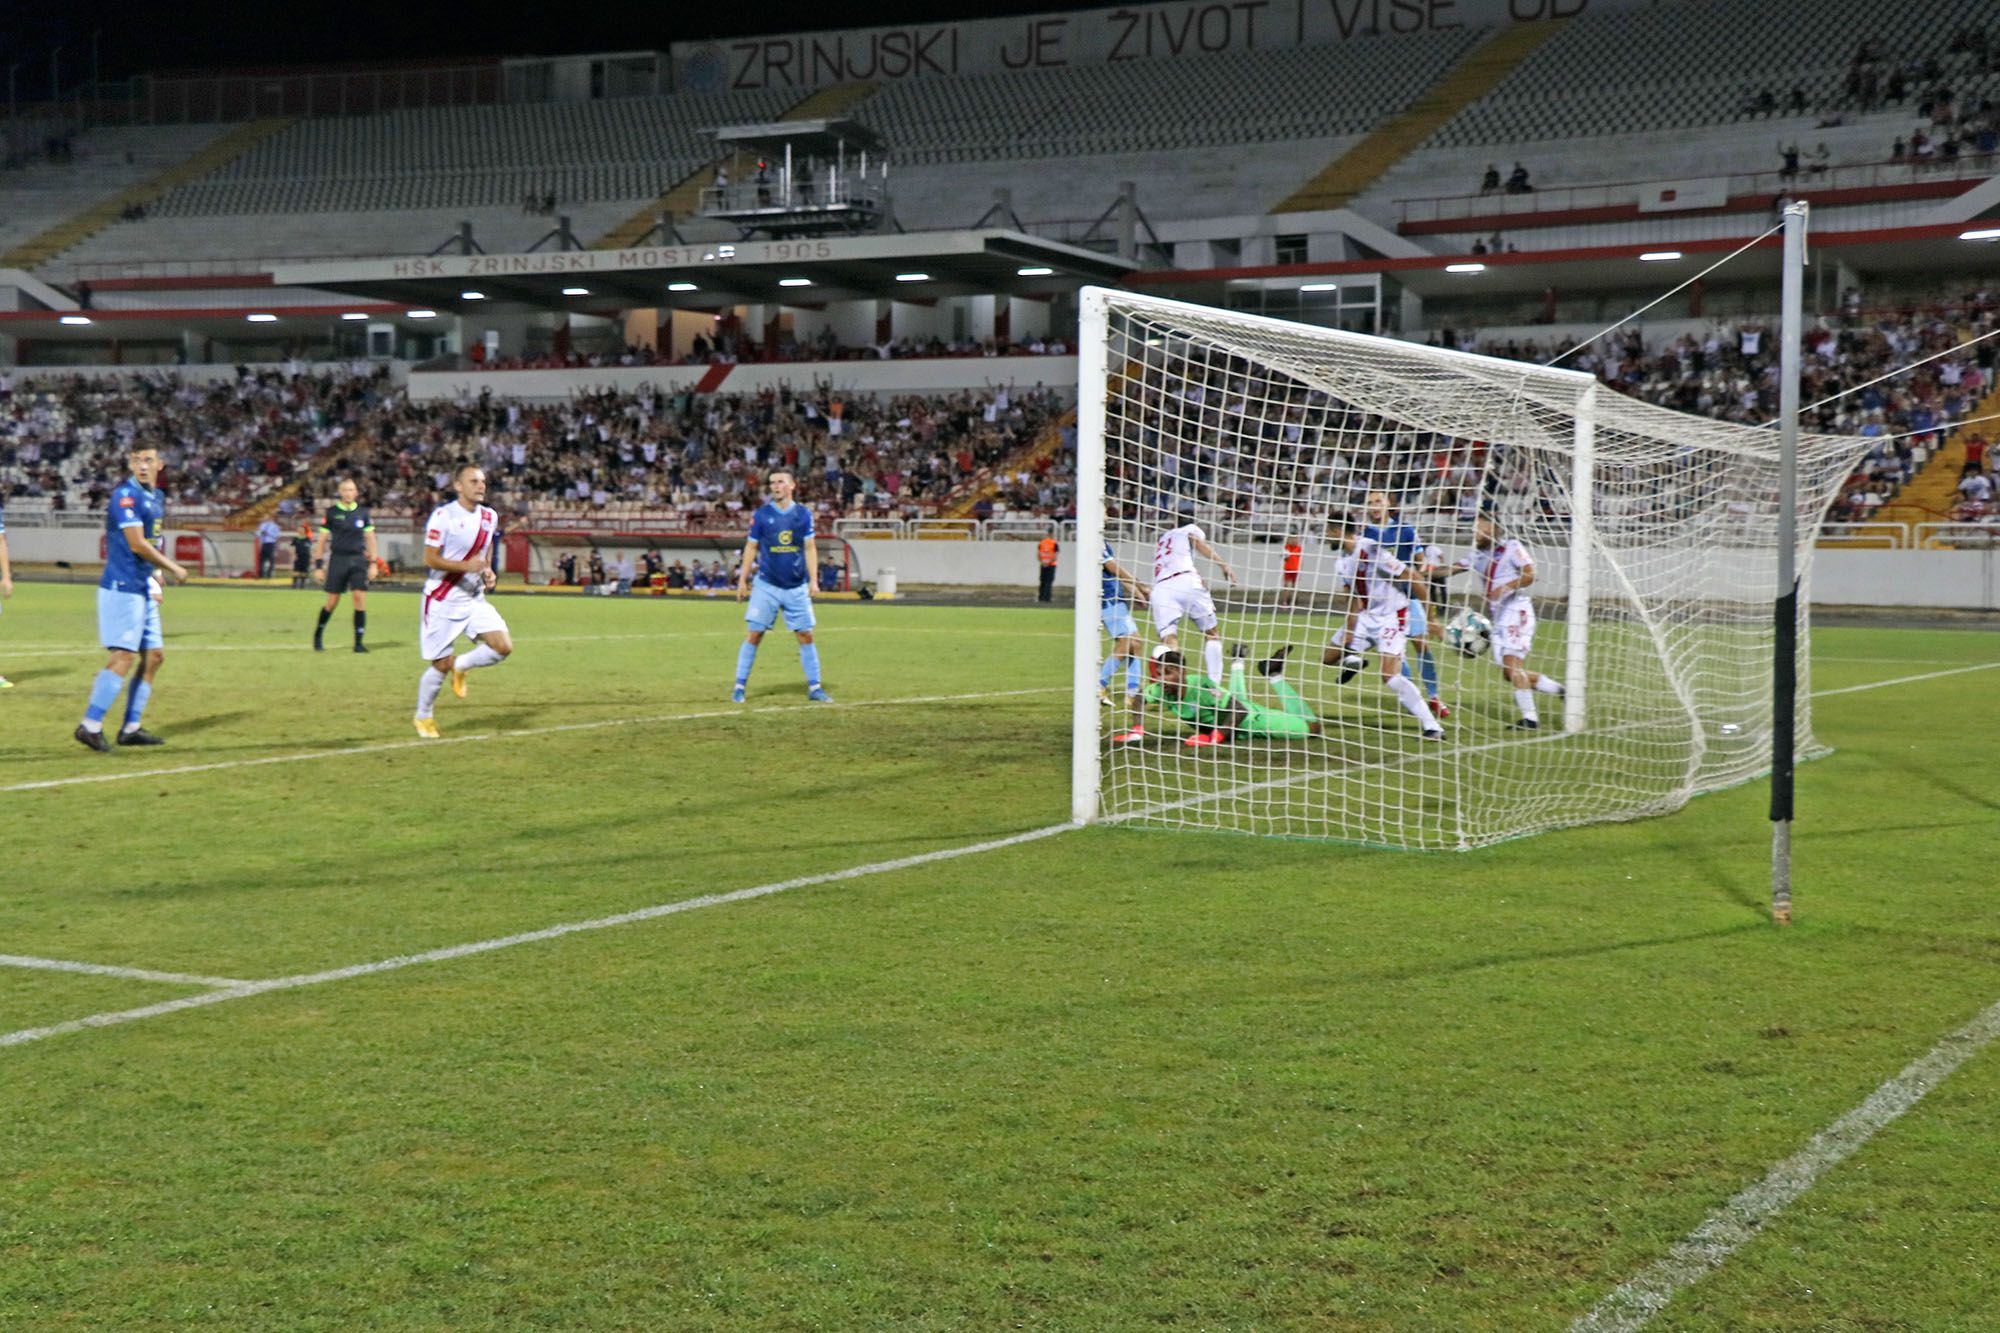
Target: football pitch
x=623 y=1007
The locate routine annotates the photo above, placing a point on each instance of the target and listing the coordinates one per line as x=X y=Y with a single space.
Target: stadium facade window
x=1290 y=250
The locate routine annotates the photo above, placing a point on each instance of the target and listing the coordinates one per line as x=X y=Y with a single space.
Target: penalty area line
x=245 y=989
x=111 y=970
x=384 y=747
x=1733 y=1225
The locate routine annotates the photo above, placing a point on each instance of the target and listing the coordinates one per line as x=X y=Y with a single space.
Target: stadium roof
x=708 y=274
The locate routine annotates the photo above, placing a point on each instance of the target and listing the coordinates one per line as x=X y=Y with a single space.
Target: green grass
x=1110 y=1079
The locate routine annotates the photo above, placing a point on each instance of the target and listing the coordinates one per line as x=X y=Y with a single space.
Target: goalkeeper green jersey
x=1211 y=708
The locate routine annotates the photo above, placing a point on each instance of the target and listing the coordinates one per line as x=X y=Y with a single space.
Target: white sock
x=481 y=655
x=1526 y=700
x=1410 y=697
x=1339 y=639
x=427 y=690
x=1548 y=685
x=1211 y=657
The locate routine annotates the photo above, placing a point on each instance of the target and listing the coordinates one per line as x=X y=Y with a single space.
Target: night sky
x=208 y=34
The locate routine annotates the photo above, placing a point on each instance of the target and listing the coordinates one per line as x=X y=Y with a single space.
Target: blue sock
x=103 y=694
x=1407 y=673
x=746 y=656
x=135 y=706
x=809 y=660
x=1132 y=674
x=1429 y=666
x=1106 y=672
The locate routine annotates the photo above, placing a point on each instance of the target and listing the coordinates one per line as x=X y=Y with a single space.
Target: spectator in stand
x=1517 y=180
x=566 y=569
x=1490 y=182
x=1789 y=154
x=1975 y=488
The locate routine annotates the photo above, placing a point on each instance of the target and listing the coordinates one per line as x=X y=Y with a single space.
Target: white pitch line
x=110 y=970
x=243 y=990
x=83 y=651
x=1731 y=1226
x=1905 y=680
x=382 y=747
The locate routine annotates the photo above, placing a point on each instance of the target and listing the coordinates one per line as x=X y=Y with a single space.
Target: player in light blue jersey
x=1126 y=646
x=786 y=556
x=1400 y=540
x=128 y=606
x=6 y=582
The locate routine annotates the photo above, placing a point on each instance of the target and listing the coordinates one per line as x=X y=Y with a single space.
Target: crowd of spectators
x=1730 y=371
x=702 y=460
x=64 y=437
x=728 y=348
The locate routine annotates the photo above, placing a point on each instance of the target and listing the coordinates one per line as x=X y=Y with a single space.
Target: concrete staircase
x=683 y=199
x=325 y=464
x=79 y=227
x=1046 y=444
x=1930 y=495
x=1463 y=84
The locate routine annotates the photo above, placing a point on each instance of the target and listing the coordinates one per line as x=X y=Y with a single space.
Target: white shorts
x=1181 y=598
x=1389 y=631
x=1514 y=632
x=442 y=623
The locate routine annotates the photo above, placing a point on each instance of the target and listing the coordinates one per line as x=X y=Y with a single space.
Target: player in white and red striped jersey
x=1507 y=569
x=1381 y=617
x=1179 y=594
x=458 y=551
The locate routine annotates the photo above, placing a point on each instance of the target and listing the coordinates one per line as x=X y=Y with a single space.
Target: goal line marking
x=381 y=747
x=111 y=970
x=1905 y=680
x=244 y=989
x=1735 y=1223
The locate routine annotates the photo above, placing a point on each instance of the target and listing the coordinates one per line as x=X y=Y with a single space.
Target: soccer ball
x=1469 y=633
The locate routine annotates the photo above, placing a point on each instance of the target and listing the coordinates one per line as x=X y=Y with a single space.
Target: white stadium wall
x=1928 y=580
x=918 y=375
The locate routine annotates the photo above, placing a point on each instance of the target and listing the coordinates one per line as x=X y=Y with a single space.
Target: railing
x=953 y=529
x=837 y=193
x=1762 y=185
x=1880 y=536
x=1958 y=535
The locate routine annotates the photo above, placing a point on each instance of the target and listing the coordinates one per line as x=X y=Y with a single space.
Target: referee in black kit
x=346 y=541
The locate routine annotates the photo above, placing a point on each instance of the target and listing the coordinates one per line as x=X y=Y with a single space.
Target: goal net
x=1651 y=536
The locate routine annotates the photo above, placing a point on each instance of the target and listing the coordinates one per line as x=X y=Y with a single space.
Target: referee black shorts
x=347 y=573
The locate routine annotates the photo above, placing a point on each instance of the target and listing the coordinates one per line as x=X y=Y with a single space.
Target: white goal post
x=1642 y=649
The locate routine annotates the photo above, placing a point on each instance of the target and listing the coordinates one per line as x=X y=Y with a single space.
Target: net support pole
x=1582 y=538
x=1093 y=331
x=1785 y=659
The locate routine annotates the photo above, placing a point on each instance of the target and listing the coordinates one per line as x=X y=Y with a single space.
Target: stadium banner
x=1673 y=196
x=706 y=255
x=1085 y=37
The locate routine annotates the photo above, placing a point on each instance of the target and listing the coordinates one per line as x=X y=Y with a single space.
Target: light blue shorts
x=1419 y=623
x=766 y=601
x=129 y=621
x=1118 y=622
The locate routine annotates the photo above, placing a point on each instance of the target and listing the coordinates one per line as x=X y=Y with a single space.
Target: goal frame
x=1093 y=370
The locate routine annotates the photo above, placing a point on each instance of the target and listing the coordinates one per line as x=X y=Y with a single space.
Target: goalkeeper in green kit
x=1219 y=713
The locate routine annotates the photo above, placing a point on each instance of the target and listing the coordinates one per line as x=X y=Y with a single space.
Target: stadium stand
x=240 y=447
x=63 y=438
x=1611 y=96
x=401 y=182
x=1704 y=63
x=97 y=165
